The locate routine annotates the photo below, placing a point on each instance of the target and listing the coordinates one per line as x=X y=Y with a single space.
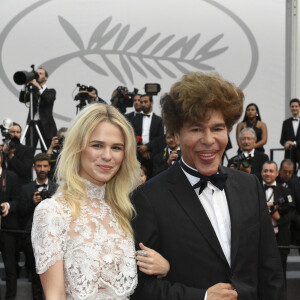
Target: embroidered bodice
x=98 y=258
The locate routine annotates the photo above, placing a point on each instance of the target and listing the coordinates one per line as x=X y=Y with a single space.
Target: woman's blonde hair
x=120 y=185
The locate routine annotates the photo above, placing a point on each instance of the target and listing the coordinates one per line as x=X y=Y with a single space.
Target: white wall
x=251 y=33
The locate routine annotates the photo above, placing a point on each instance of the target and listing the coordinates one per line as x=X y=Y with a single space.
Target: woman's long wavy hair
x=119 y=187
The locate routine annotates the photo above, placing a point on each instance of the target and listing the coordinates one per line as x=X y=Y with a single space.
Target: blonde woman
x=82 y=237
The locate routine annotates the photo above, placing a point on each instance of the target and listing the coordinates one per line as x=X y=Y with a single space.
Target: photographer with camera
x=55 y=149
x=17 y=157
x=86 y=95
x=43 y=101
x=10 y=204
x=247 y=139
x=281 y=207
x=32 y=194
x=163 y=160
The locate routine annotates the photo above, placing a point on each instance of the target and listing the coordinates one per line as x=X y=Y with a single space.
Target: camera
x=61 y=140
x=7 y=139
x=122 y=98
x=24 y=77
x=44 y=194
x=243 y=159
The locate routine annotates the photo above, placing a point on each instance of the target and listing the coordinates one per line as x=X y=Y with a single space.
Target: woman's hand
x=152 y=263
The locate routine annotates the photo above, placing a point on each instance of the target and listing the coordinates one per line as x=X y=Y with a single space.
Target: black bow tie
x=145 y=115
x=217 y=180
x=37 y=186
x=296 y=119
x=269 y=187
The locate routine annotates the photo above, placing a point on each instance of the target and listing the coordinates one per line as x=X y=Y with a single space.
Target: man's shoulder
x=288 y=120
x=156 y=117
x=260 y=154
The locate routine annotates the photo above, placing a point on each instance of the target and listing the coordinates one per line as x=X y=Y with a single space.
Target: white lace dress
x=99 y=259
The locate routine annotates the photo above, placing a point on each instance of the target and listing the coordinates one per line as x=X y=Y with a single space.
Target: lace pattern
x=99 y=259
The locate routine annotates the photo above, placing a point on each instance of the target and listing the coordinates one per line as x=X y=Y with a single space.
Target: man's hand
x=10 y=152
x=36 y=198
x=146 y=155
x=222 y=291
x=173 y=156
x=288 y=144
x=54 y=143
x=35 y=83
x=5 y=209
x=142 y=148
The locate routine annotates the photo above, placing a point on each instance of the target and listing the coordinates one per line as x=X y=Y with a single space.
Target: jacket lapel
x=190 y=203
x=232 y=195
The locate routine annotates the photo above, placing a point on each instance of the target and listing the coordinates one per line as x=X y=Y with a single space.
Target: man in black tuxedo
x=290 y=134
x=216 y=233
x=137 y=108
x=281 y=207
x=32 y=194
x=43 y=101
x=247 y=139
x=18 y=158
x=150 y=128
x=9 y=199
x=163 y=160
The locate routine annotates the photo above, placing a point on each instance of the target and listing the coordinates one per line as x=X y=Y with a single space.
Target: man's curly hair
x=191 y=99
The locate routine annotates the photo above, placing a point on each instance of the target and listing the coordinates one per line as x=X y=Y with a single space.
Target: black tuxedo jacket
x=21 y=163
x=156 y=128
x=256 y=162
x=287 y=134
x=130 y=116
x=28 y=205
x=10 y=194
x=47 y=99
x=171 y=220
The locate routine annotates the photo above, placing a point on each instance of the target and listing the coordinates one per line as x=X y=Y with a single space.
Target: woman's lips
x=105 y=167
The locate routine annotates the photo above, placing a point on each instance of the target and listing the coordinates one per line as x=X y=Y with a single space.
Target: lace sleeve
x=48 y=234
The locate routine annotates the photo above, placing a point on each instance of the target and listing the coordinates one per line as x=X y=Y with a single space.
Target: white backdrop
x=107 y=43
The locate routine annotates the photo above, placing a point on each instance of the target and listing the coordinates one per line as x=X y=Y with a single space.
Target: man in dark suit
x=281 y=207
x=32 y=194
x=216 y=233
x=43 y=101
x=9 y=199
x=150 y=128
x=247 y=138
x=18 y=158
x=137 y=108
x=163 y=160
x=290 y=134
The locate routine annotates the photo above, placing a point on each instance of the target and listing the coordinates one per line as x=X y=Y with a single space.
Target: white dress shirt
x=146 y=128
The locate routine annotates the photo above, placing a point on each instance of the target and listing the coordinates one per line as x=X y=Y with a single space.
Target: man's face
x=15 y=131
x=269 y=173
x=286 y=172
x=170 y=140
x=146 y=104
x=247 y=141
x=137 y=103
x=42 y=76
x=202 y=144
x=295 y=109
x=42 y=168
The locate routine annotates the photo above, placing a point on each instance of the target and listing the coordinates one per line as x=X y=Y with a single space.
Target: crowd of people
x=114 y=193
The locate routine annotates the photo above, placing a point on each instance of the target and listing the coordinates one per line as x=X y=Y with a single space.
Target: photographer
x=17 y=157
x=43 y=101
x=281 y=207
x=247 y=139
x=32 y=194
x=163 y=160
x=55 y=149
x=9 y=199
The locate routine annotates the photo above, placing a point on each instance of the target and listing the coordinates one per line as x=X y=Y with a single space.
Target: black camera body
x=44 y=194
x=61 y=140
x=12 y=143
x=24 y=77
x=122 y=98
x=243 y=159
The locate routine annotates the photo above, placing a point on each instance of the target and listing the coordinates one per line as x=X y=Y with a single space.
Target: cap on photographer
x=247 y=139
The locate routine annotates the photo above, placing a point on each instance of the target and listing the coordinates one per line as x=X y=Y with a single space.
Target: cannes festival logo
x=137 y=54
